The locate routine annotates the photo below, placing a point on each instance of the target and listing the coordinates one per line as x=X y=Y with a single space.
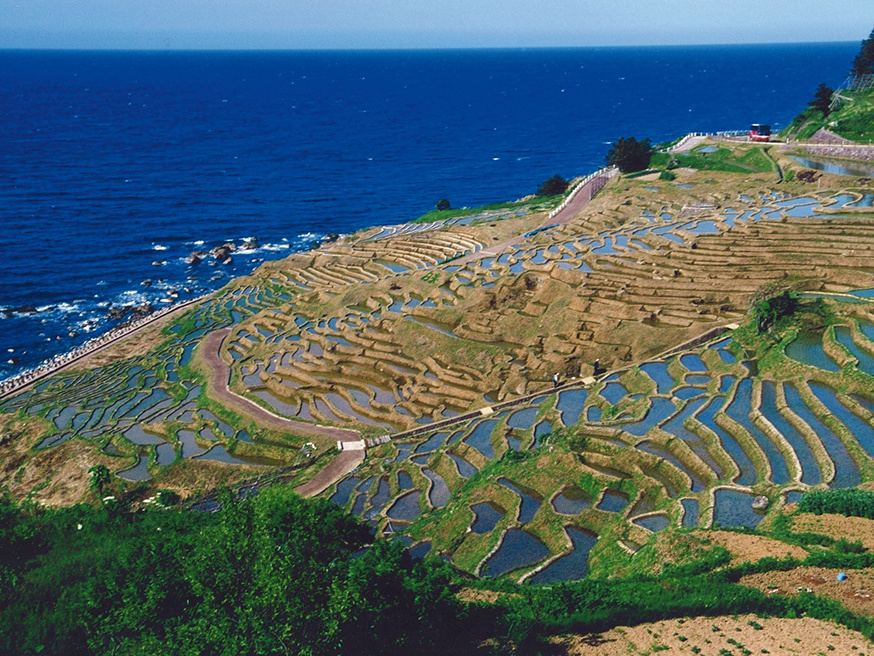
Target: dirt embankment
x=837 y=527
x=751 y=548
x=709 y=636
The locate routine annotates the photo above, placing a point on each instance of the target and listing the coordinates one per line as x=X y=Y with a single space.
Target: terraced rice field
x=406 y=332
x=665 y=457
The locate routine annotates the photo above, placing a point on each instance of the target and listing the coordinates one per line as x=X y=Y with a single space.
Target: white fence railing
x=682 y=142
x=609 y=171
x=721 y=133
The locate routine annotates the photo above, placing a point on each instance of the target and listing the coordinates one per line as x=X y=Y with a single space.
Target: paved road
x=578 y=202
x=689 y=144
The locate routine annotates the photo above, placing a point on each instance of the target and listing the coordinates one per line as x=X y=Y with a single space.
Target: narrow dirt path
x=342 y=464
x=221 y=376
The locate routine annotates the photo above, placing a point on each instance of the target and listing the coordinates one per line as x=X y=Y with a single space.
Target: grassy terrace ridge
x=531 y=203
x=725 y=158
x=648 y=471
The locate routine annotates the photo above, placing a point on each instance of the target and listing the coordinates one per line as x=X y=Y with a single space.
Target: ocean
x=115 y=166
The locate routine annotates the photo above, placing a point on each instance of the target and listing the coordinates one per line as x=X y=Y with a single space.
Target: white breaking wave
x=64 y=308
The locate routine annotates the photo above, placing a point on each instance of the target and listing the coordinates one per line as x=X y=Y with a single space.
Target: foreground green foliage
x=275 y=574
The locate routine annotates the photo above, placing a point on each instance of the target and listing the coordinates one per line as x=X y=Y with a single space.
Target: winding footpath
x=349 y=442
x=351 y=445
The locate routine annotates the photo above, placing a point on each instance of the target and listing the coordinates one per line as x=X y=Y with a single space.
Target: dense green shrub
x=850 y=503
x=272 y=574
x=822 y=99
x=553 y=186
x=629 y=154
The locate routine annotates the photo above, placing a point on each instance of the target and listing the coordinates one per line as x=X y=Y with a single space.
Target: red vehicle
x=759 y=132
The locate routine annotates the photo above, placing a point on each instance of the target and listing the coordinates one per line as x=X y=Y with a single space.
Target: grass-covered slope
x=852 y=119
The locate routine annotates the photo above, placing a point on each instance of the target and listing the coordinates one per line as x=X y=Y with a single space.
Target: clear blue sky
x=242 y=24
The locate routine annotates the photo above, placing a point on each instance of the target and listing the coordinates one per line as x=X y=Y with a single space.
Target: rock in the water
x=760 y=503
x=221 y=253
x=143 y=310
x=118 y=312
x=250 y=244
x=194 y=258
x=24 y=309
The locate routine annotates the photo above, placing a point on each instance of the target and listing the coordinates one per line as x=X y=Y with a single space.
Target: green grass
x=538 y=203
x=739 y=160
x=853 y=120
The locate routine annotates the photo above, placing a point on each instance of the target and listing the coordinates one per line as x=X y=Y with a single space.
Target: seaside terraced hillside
x=429 y=353
x=634 y=385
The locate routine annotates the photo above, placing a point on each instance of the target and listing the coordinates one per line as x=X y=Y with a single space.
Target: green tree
x=629 y=154
x=822 y=99
x=443 y=204
x=553 y=187
x=863 y=64
x=100 y=477
x=771 y=310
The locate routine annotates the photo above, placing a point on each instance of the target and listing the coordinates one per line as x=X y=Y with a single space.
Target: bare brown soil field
x=856 y=593
x=54 y=477
x=721 y=636
x=751 y=548
x=837 y=527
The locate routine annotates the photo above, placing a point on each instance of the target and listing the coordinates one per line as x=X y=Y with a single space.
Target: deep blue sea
x=114 y=166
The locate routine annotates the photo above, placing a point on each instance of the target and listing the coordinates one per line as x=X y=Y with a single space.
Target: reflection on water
x=517 y=550
x=575 y=564
x=734 y=509
x=830 y=166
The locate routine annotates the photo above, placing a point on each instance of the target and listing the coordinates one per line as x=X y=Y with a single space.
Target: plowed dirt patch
x=856 y=593
x=837 y=527
x=710 y=636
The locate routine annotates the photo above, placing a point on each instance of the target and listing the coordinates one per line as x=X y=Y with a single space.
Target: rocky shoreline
x=141 y=317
